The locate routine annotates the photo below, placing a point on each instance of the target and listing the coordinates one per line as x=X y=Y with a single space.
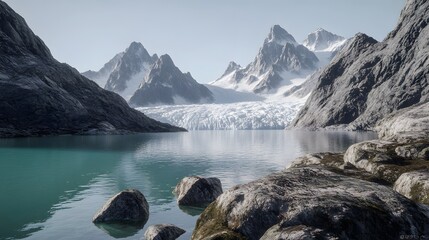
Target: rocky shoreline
x=377 y=189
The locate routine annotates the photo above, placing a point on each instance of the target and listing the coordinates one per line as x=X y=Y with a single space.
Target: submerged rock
x=197 y=191
x=127 y=206
x=414 y=185
x=311 y=202
x=163 y=232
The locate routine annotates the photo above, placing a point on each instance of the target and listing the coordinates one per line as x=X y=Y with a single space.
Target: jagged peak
x=323 y=40
x=233 y=66
x=165 y=61
x=137 y=48
x=280 y=36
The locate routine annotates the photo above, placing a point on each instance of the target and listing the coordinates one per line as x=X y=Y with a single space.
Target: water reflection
x=54 y=185
x=120 y=230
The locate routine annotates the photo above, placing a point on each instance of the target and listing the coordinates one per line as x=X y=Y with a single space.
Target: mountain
x=41 y=96
x=101 y=76
x=124 y=73
x=367 y=80
x=323 y=41
x=166 y=84
x=279 y=60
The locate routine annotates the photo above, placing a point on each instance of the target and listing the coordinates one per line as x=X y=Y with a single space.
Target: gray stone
x=406 y=125
x=381 y=158
x=41 y=96
x=368 y=80
x=163 y=232
x=414 y=185
x=312 y=202
x=197 y=191
x=128 y=206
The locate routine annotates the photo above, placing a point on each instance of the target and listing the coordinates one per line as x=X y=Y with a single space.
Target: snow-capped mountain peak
x=280 y=36
x=323 y=41
x=167 y=85
x=124 y=73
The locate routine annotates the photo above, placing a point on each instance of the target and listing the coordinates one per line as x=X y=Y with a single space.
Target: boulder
x=197 y=191
x=163 y=232
x=128 y=206
x=414 y=185
x=311 y=202
x=385 y=159
x=406 y=125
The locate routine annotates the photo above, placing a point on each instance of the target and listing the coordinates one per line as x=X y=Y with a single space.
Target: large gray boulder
x=367 y=80
x=40 y=96
x=128 y=206
x=197 y=191
x=163 y=232
x=311 y=202
x=414 y=185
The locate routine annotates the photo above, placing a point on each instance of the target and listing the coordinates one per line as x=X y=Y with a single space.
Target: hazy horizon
x=201 y=37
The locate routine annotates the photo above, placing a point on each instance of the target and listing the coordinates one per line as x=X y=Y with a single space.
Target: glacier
x=228 y=116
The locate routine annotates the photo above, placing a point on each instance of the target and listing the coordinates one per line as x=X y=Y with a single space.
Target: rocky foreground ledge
x=376 y=190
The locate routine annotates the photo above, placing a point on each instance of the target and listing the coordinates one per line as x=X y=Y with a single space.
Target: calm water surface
x=51 y=187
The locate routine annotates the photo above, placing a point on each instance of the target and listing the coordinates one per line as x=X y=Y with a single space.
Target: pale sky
x=201 y=36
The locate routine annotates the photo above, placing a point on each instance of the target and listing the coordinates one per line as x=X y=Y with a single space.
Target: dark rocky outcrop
x=128 y=206
x=368 y=80
x=163 y=232
x=311 y=201
x=167 y=85
x=41 y=96
x=197 y=191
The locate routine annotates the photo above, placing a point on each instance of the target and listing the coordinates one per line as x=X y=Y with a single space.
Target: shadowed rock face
x=128 y=206
x=311 y=202
x=368 y=80
x=163 y=232
x=197 y=191
x=41 y=96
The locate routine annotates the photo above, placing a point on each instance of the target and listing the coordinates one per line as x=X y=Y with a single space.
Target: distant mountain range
x=146 y=80
x=280 y=60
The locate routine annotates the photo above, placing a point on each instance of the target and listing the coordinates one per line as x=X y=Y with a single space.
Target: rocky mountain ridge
x=41 y=96
x=368 y=79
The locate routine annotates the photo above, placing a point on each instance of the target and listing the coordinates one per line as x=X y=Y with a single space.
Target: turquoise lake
x=51 y=187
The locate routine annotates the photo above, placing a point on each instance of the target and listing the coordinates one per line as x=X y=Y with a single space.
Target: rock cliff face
x=41 y=96
x=368 y=80
x=167 y=85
